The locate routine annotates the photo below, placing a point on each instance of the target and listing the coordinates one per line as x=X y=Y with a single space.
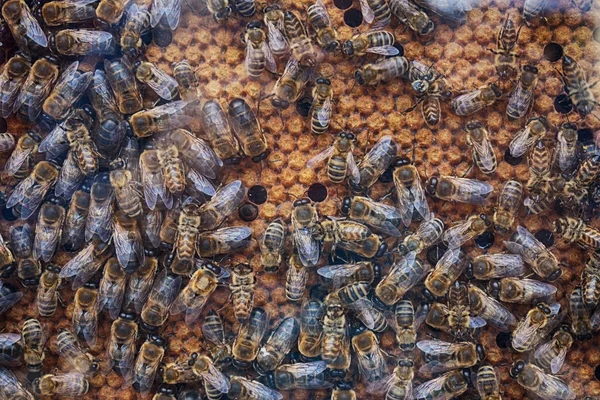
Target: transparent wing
x=33 y=28
x=7 y=340
x=200 y=183
x=277 y=41
x=258 y=390
x=128 y=245
x=18 y=156
x=523 y=333
x=103 y=91
x=457 y=235
x=10 y=385
x=477 y=322
x=169 y=9
x=152 y=178
x=486 y=152
x=388 y=51
x=522 y=142
x=437 y=347
x=420 y=201
x=70 y=177
x=19 y=193
x=73 y=266
x=493 y=311
x=553 y=388
x=319 y=158
x=228 y=198
x=55 y=144
x=367 y=13
x=308 y=248
x=217 y=379
x=310 y=369
x=558 y=361
x=324 y=112
x=199 y=155
x=434 y=387
x=113 y=299
x=232 y=234
x=270 y=63
x=353 y=171
x=506 y=264
x=471 y=190
x=338 y=272
x=404 y=201
x=158 y=84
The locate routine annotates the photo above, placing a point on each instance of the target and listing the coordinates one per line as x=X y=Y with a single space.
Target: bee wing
x=486 y=152
x=367 y=13
x=127 y=246
x=217 y=379
x=311 y=369
x=558 y=361
x=471 y=190
x=553 y=388
x=19 y=192
x=404 y=201
x=112 y=303
x=258 y=390
x=191 y=313
x=228 y=198
x=270 y=63
x=384 y=50
x=16 y=159
x=324 y=112
x=158 y=84
x=237 y=237
x=523 y=333
x=55 y=144
x=169 y=9
x=69 y=178
x=200 y=183
x=437 y=347
x=363 y=308
x=457 y=235
x=494 y=312
x=353 y=171
x=102 y=89
x=508 y=264
x=200 y=155
x=9 y=92
x=6 y=340
x=324 y=13
x=152 y=179
x=433 y=387
x=73 y=266
x=10 y=385
x=319 y=158
x=389 y=213
x=277 y=41
x=308 y=248
x=522 y=141
x=32 y=27
x=337 y=273
x=419 y=200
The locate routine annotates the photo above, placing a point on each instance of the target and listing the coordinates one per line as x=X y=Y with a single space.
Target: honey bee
x=273 y=20
x=137 y=22
x=400 y=386
x=68 y=89
x=158 y=80
x=11 y=388
x=407 y=321
x=56 y=13
x=247 y=342
x=412 y=16
x=463 y=231
x=79 y=359
x=494 y=313
x=477 y=100
x=279 y=343
x=215 y=382
x=376 y=10
x=160 y=119
x=447 y=386
x=508 y=206
x=352 y=292
x=334 y=335
x=550 y=356
x=519 y=290
x=123 y=84
x=381 y=71
x=590 y=281
x=129 y=246
x=311 y=328
x=575 y=230
x=577 y=87
x=187 y=80
x=121 y=347
x=98 y=222
x=409 y=192
x=128 y=196
x=29 y=193
x=11 y=351
x=218 y=132
x=576 y=190
x=195 y=294
x=376 y=42
x=301 y=46
x=83 y=42
x=178 y=372
x=247 y=129
x=111 y=11
x=321 y=106
x=112 y=288
x=223 y=241
x=48 y=231
x=139 y=285
x=565 y=157
x=34 y=339
x=272 y=245
x=47 y=293
x=225 y=201
x=492 y=266
x=214 y=331
x=534 y=253
x=352 y=236
x=40 y=80
x=483 y=152
x=487 y=383
x=304 y=222
x=242 y=388
x=290 y=85
x=21 y=240
x=347 y=274
x=374 y=164
x=535 y=130
x=447 y=270
x=343 y=391
x=220 y=9
x=462 y=190
x=326 y=34
x=65 y=385
x=258 y=53
x=521 y=98
x=25 y=29
x=340 y=159
x=371 y=361
x=9 y=296
x=534 y=379
x=74 y=226
x=458 y=317
x=364 y=310
x=307 y=376
x=21 y=160
x=83 y=148
x=147 y=362
x=428 y=233
x=379 y=216
x=453 y=10
x=403 y=275
x=443 y=356
x=242 y=291
x=580 y=316
x=505 y=59
x=85 y=314
x=12 y=78
x=86 y=263
x=163 y=294
x=525 y=335
x=165 y=12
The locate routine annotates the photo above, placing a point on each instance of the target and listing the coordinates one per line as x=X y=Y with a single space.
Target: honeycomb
x=461 y=53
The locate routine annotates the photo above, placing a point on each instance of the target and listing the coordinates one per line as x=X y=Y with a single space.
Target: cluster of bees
x=109 y=173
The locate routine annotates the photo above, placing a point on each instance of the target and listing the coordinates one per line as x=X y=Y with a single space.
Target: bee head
x=358 y=76
x=516 y=369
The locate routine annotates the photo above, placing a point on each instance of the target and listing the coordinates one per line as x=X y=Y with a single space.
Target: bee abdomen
x=256 y=64
x=336 y=169
x=381 y=10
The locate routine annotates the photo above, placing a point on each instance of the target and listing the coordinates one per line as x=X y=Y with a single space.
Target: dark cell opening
x=585 y=135
x=257 y=194
x=545 y=236
x=553 y=52
x=503 y=340
x=597 y=372
x=485 y=240
x=303 y=106
x=248 y=212
x=512 y=160
x=342 y=4
x=434 y=253
x=3 y=125
x=388 y=175
x=563 y=104
x=317 y=192
x=400 y=50
x=353 y=17
x=596 y=35
x=162 y=37
x=147 y=38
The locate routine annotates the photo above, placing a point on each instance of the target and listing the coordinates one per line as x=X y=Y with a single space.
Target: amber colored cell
x=278 y=295
x=453 y=51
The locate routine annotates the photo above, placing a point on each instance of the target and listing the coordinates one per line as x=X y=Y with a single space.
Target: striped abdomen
x=336 y=168
x=382 y=12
